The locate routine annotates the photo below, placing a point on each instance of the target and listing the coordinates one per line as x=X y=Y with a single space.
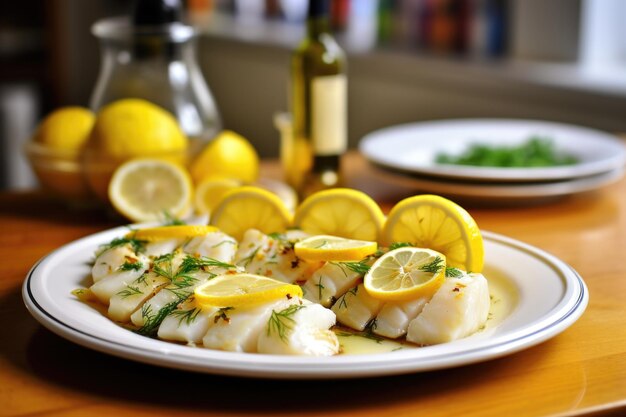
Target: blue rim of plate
x=564 y=314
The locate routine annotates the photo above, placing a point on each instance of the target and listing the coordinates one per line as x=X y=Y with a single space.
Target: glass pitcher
x=156 y=63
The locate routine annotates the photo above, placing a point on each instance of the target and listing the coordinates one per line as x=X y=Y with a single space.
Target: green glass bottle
x=318 y=106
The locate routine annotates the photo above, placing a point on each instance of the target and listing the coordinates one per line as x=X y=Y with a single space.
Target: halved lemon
x=243 y=290
x=211 y=191
x=150 y=189
x=333 y=248
x=152 y=234
x=340 y=212
x=250 y=208
x=431 y=221
x=406 y=274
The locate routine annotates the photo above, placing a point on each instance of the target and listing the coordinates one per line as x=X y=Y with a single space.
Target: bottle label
x=329 y=114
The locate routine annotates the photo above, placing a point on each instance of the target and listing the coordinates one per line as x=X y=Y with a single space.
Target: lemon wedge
x=405 y=274
x=431 y=221
x=250 y=208
x=243 y=290
x=149 y=189
x=340 y=212
x=333 y=248
x=152 y=234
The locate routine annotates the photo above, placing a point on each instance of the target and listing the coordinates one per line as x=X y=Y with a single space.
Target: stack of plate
x=411 y=151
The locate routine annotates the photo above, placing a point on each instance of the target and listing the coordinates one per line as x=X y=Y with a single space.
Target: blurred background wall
x=409 y=60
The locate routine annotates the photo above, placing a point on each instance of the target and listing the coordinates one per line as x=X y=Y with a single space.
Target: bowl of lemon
x=133 y=156
x=55 y=152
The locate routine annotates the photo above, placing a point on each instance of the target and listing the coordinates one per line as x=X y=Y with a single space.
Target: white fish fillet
x=189 y=323
x=261 y=254
x=110 y=260
x=163 y=247
x=394 y=317
x=329 y=282
x=238 y=330
x=215 y=245
x=175 y=291
x=124 y=302
x=113 y=283
x=356 y=308
x=300 y=329
x=459 y=308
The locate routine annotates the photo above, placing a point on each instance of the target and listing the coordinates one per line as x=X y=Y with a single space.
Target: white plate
x=546 y=296
x=504 y=193
x=413 y=148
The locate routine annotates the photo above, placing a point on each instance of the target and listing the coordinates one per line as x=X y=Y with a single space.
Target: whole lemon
x=229 y=155
x=132 y=127
x=66 y=128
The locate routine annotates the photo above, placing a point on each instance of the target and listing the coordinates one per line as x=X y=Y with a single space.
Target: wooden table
x=580 y=372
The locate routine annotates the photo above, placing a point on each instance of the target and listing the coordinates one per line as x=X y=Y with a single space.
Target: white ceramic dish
x=413 y=148
x=545 y=297
x=504 y=193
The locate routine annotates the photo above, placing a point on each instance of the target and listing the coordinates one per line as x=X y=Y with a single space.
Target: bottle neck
x=318 y=21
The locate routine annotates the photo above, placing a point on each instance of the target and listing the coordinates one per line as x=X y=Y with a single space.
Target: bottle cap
x=319 y=8
x=156 y=12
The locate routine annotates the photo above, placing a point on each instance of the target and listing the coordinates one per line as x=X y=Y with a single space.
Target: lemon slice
x=406 y=274
x=211 y=191
x=340 y=212
x=333 y=248
x=243 y=290
x=250 y=208
x=435 y=222
x=186 y=231
x=148 y=189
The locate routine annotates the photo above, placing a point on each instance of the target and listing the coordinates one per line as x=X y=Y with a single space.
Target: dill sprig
x=282 y=322
x=163 y=266
x=171 y=220
x=246 y=261
x=369 y=331
x=320 y=288
x=137 y=244
x=222 y=314
x=434 y=266
x=128 y=291
x=396 y=245
x=193 y=264
x=187 y=316
x=152 y=321
x=343 y=303
x=360 y=267
x=131 y=266
x=453 y=272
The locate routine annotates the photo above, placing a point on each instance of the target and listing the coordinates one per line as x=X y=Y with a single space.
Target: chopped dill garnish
x=128 y=291
x=453 y=272
x=188 y=316
x=281 y=322
x=434 y=266
x=396 y=245
x=142 y=279
x=131 y=266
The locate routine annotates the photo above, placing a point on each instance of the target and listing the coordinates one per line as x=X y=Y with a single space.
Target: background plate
x=413 y=148
x=549 y=296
